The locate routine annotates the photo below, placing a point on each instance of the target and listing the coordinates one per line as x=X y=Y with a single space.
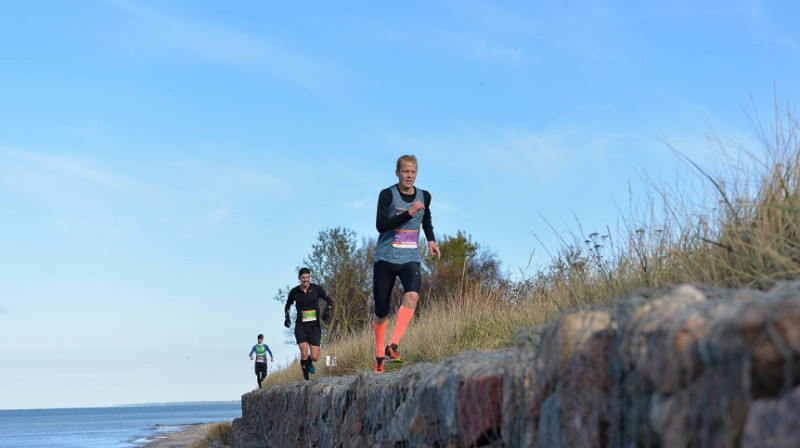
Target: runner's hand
x=271 y=359
x=326 y=315
x=251 y=357
x=287 y=323
x=433 y=249
x=415 y=207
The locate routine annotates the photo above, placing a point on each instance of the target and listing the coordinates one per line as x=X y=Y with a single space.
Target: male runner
x=261 y=350
x=307 y=329
x=402 y=210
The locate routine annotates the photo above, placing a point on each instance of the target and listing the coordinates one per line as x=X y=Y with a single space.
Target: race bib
x=308 y=316
x=405 y=239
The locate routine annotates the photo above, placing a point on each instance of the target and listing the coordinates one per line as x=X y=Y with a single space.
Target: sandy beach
x=183 y=438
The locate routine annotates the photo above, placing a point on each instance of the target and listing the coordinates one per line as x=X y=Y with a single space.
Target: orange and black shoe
x=378 y=364
x=393 y=353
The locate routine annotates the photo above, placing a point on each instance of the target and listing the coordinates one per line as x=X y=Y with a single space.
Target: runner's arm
x=252 y=351
x=427 y=225
x=289 y=302
x=328 y=299
x=382 y=221
x=270 y=351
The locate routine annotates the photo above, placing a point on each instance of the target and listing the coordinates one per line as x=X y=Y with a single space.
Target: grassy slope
x=739 y=228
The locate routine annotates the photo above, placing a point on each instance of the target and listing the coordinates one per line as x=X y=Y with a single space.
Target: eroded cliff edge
x=690 y=366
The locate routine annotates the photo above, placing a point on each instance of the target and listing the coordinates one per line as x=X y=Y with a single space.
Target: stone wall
x=689 y=366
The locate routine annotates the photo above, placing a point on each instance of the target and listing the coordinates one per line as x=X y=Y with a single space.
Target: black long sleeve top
x=305 y=301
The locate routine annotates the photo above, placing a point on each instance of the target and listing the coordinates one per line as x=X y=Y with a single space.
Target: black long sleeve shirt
x=305 y=301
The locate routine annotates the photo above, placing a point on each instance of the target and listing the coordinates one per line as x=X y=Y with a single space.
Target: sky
x=166 y=166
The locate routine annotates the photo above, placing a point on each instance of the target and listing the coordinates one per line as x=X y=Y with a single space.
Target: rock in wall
x=692 y=366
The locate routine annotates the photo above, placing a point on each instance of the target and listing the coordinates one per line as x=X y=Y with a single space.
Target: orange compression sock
x=404 y=316
x=380 y=335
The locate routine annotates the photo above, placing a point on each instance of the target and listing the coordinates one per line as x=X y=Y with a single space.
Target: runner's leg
x=315 y=340
x=314 y=352
x=383 y=282
x=303 y=350
x=404 y=315
x=261 y=372
x=304 y=360
x=411 y=278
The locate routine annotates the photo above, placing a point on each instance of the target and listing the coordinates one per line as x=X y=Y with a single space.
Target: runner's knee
x=410 y=299
x=381 y=310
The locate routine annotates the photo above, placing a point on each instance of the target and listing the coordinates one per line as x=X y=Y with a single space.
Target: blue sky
x=165 y=166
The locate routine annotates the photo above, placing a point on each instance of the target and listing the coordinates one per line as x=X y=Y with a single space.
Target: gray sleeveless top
x=401 y=245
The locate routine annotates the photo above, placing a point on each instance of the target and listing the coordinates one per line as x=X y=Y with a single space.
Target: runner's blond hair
x=406 y=158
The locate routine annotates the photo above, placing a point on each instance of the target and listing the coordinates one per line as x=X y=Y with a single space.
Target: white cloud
x=482 y=49
x=486 y=36
x=493 y=18
x=763 y=26
x=505 y=161
x=521 y=150
x=447 y=207
x=545 y=155
x=356 y=205
x=65 y=182
x=67 y=167
x=218 y=215
x=198 y=225
x=220 y=44
x=750 y=17
x=257 y=181
x=225 y=181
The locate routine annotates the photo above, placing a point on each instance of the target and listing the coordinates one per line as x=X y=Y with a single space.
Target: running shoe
x=378 y=364
x=393 y=353
x=311 y=368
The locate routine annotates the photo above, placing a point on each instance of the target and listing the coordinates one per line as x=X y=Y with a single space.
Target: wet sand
x=180 y=439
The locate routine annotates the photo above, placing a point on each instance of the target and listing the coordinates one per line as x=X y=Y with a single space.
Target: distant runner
x=261 y=350
x=307 y=329
x=402 y=210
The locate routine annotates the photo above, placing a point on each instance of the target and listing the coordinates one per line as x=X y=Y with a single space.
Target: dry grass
x=477 y=318
x=739 y=226
x=218 y=434
x=289 y=373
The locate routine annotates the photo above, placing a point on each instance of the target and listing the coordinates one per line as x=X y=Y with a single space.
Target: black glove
x=326 y=315
x=287 y=322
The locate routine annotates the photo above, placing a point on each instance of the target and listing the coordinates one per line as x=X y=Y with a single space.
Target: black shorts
x=261 y=367
x=383 y=277
x=310 y=332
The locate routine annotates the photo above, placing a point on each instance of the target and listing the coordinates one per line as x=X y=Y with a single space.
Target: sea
x=110 y=427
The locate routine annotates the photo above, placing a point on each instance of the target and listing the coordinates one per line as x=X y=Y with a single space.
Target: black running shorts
x=310 y=332
x=383 y=277
x=261 y=370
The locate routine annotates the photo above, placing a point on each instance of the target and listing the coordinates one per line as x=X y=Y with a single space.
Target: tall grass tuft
x=218 y=434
